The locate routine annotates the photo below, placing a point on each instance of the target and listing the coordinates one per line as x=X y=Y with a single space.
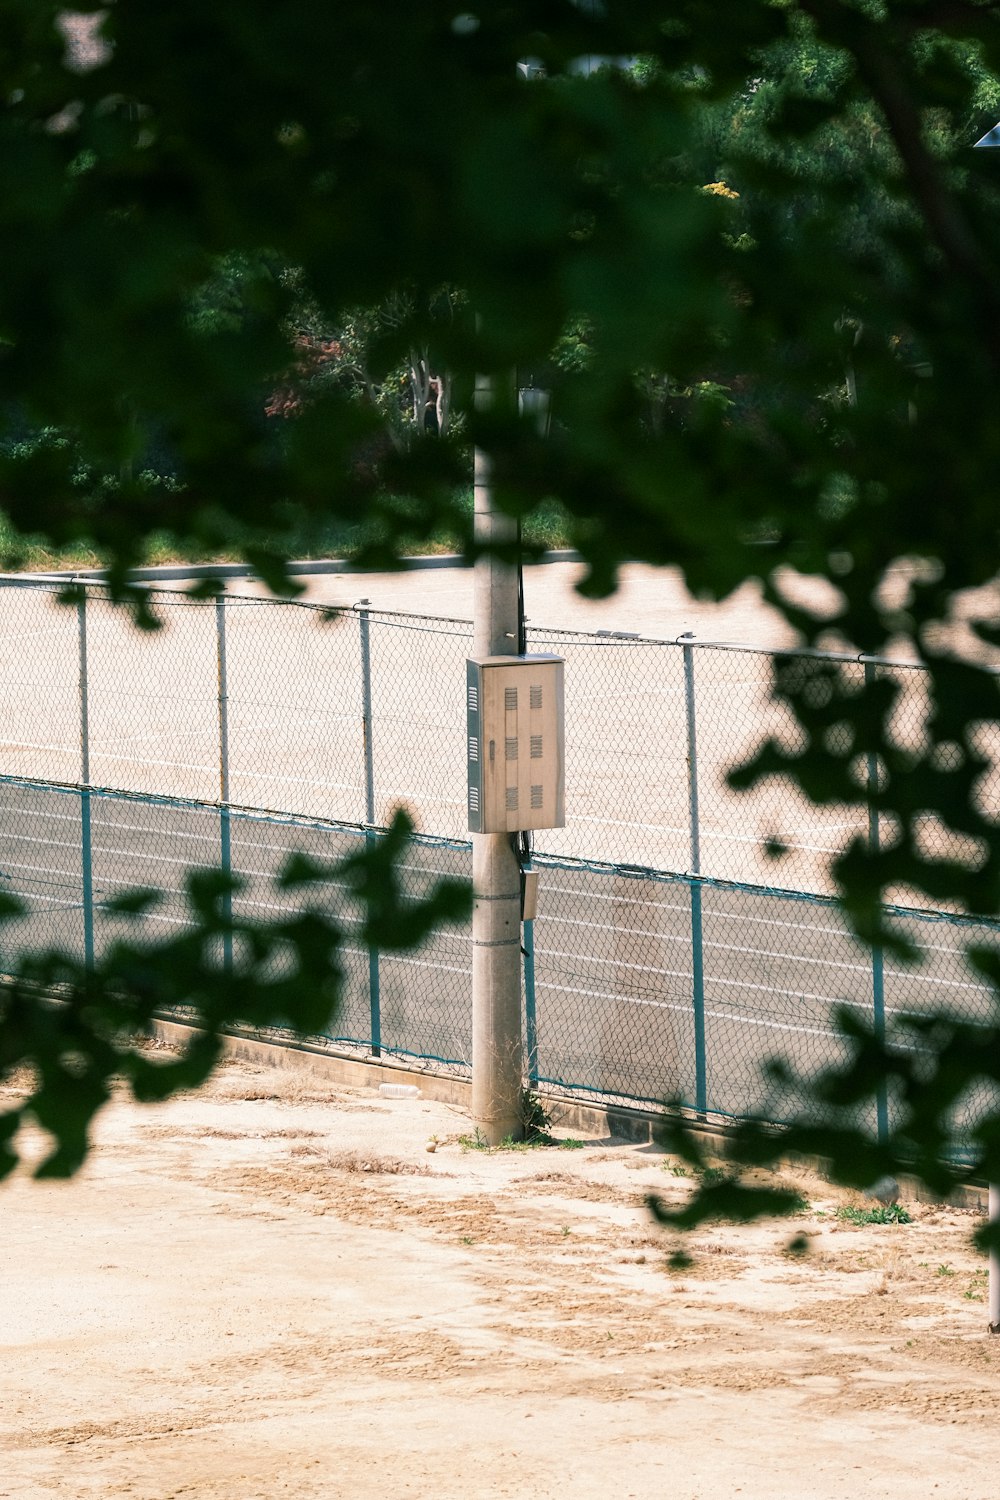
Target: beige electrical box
x=515 y=743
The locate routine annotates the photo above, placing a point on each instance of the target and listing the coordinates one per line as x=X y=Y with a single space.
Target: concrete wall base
x=600 y=1122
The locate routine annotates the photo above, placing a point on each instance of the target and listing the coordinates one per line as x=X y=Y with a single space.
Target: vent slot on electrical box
x=536 y=747
x=512 y=799
x=510 y=700
x=537 y=796
x=535 y=696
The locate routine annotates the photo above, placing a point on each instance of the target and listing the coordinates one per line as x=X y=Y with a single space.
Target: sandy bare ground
x=273 y=1288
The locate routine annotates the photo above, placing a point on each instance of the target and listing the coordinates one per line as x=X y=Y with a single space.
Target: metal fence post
x=374 y=979
x=697 y=943
x=530 y=1011
x=878 y=955
x=225 y=829
x=86 y=839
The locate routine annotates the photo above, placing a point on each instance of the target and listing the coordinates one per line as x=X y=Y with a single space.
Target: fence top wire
x=76 y=789
x=415 y=620
x=751 y=888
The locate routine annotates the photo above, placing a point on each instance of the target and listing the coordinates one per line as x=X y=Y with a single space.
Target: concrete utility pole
x=497 y=1065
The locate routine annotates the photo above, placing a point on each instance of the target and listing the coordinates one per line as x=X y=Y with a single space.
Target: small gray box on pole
x=515 y=743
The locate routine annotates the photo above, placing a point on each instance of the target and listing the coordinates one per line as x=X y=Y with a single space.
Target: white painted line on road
x=798 y=995
x=682 y=1009
x=622 y=897
x=799 y=959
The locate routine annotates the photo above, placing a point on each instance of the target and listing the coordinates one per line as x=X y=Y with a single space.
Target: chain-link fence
x=342 y=714
x=664 y=960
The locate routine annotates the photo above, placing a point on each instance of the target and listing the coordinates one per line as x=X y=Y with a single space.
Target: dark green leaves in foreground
x=759 y=268
x=68 y=1034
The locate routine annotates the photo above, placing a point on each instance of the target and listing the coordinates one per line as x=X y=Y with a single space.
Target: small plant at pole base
x=535 y=1118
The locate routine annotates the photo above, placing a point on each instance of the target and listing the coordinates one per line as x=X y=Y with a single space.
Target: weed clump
x=879 y=1213
x=537 y=1127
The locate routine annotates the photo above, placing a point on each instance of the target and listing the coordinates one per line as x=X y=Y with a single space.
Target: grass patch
x=529 y=1143
x=546 y=528
x=879 y=1213
x=478 y=1142
x=537 y=1124
x=536 y=1136
x=536 y=1119
x=711 y=1175
x=800 y=1205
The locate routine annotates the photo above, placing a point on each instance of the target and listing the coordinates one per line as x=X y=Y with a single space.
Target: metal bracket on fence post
x=225 y=831
x=878 y=955
x=697 y=942
x=374 y=979
x=86 y=840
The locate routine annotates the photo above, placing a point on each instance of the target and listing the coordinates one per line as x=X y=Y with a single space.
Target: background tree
x=811 y=362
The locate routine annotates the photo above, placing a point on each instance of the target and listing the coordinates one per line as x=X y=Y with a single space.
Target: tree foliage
x=761 y=262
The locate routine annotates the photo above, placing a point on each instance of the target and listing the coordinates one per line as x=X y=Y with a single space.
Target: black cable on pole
x=522 y=845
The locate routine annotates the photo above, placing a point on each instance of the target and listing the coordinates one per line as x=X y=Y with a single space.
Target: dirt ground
x=274 y=1288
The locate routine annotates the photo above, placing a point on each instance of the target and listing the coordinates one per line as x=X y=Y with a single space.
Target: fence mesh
x=294 y=698
x=39 y=688
x=418 y=708
x=626 y=751
x=664 y=960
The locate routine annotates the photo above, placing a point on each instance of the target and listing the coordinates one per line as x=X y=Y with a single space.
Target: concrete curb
x=601 y=1122
x=179 y=573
